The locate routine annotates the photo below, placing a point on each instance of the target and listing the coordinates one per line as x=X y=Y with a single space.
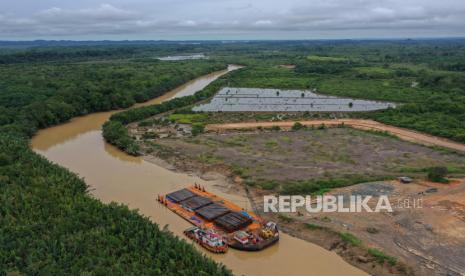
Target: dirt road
x=405 y=134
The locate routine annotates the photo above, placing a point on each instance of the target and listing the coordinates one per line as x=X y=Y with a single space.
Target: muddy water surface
x=115 y=176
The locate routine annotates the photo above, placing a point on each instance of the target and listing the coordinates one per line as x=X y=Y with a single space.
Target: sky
x=230 y=19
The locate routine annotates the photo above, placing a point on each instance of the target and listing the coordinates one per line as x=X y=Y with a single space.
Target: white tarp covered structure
x=258 y=99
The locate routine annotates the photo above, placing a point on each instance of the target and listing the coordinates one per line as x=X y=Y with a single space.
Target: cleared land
x=302 y=155
x=426 y=228
x=402 y=133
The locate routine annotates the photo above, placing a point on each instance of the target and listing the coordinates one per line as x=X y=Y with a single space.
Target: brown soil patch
x=426 y=229
x=402 y=133
x=303 y=155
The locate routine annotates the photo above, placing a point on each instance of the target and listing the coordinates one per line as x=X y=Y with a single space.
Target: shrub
x=146 y=123
x=149 y=135
x=297 y=126
x=350 y=239
x=285 y=218
x=275 y=128
x=312 y=226
x=381 y=257
x=197 y=129
x=438 y=174
x=322 y=126
x=372 y=230
x=267 y=184
x=242 y=172
x=323 y=185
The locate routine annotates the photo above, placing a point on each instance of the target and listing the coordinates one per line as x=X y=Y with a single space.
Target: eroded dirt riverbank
x=114 y=176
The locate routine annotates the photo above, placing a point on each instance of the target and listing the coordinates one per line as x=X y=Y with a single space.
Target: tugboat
x=208 y=239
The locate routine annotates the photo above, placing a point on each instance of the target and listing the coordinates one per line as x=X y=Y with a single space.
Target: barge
x=209 y=213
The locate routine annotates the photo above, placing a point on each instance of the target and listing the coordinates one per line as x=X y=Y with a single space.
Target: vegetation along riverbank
x=49 y=222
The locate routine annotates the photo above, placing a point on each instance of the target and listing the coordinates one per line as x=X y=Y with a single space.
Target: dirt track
x=405 y=134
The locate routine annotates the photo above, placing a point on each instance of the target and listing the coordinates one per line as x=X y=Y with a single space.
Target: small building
x=405 y=179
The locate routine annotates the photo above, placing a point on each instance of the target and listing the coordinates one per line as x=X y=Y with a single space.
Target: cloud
x=151 y=18
x=104 y=19
x=187 y=23
x=105 y=12
x=263 y=23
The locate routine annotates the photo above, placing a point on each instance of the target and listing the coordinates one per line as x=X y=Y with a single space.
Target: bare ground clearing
x=402 y=133
x=303 y=155
x=430 y=238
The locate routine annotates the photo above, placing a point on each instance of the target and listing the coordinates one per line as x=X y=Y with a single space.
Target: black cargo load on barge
x=180 y=195
x=233 y=221
x=212 y=211
x=195 y=202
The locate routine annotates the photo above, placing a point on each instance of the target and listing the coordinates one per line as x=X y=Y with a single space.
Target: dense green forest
x=50 y=225
x=38 y=95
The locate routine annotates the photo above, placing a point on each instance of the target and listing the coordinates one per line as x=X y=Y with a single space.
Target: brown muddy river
x=115 y=176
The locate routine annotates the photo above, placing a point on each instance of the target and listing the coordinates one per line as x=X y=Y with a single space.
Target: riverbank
x=114 y=176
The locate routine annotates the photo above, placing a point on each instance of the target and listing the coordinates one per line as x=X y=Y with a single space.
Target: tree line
x=35 y=96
